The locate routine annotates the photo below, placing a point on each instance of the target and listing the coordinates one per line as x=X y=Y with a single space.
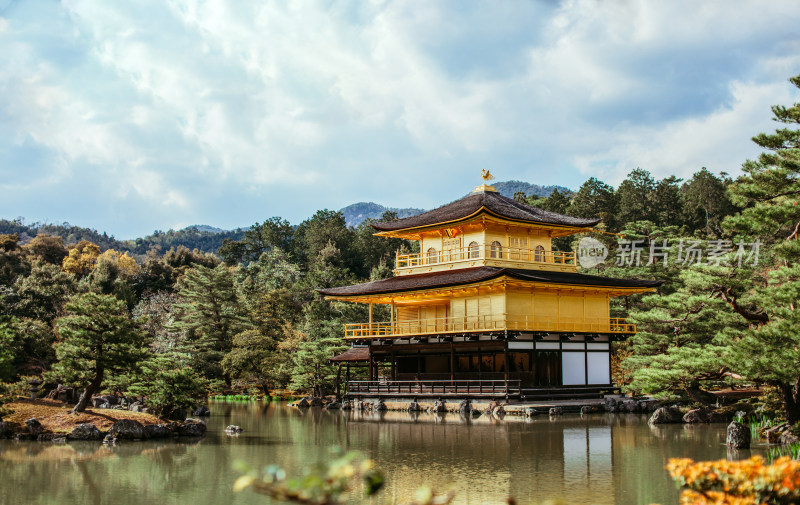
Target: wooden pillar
x=505 y=366
x=370 y=318
x=339 y=382
x=452 y=364
x=391 y=317
x=371 y=367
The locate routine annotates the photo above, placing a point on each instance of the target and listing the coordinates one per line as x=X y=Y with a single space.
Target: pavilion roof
x=449 y=278
x=490 y=201
x=352 y=354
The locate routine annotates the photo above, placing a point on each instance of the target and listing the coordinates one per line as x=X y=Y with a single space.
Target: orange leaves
x=747 y=482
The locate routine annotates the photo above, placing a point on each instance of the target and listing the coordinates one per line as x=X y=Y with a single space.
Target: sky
x=132 y=116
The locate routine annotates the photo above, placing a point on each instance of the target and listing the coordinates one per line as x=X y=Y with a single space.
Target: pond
x=599 y=458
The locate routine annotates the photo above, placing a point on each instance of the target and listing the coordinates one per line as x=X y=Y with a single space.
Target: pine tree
x=209 y=313
x=635 y=197
x=322 y=326
x=770 y=351
x=705 y=202
x=595 y=199
x=97 y=339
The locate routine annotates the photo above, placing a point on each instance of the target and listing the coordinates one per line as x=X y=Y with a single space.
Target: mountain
x=509 y=188
x=356 y=213
x=203 y=237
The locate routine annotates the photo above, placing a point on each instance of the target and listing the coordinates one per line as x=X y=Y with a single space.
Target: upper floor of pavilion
x=485 y=228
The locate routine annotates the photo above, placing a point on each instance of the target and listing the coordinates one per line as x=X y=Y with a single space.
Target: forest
x=174 y=324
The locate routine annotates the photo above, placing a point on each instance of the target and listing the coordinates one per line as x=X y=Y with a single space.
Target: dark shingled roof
x=477 y=274
x=495 y=203
x=352 y=354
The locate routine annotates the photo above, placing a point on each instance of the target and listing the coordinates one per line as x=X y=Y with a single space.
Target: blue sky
x=134 y=116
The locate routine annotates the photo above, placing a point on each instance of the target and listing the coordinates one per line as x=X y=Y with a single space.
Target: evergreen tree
x=274 y=233
x=323 y=321
x=558 y=201
x=635 y=197
x=770 y=351
x=373 y=251
x=678 y=348
x=668 y=209
x=42 y=294
x=169 y=383
x=705 y=202
x=209 y=313
x=595 y=199
x=315 y=233
x=97 y=339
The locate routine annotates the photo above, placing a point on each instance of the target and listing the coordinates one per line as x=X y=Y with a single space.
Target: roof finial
x=487 y=176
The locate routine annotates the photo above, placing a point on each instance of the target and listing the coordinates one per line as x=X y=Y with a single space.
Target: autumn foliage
x=747 y=482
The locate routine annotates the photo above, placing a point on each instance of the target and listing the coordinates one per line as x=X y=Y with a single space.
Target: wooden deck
x=472 y=389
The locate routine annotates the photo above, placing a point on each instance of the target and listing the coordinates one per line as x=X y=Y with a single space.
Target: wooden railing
x=485 y=323
x=488 y=388
x=483 y=251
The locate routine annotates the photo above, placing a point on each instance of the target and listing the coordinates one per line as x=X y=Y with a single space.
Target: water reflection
x=598 y=458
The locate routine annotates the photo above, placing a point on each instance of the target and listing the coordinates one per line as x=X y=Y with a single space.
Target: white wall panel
x=573 y=368
x=599 y=368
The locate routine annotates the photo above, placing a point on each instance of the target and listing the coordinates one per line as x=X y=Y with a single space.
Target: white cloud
x=720 y=140
x=189 y=105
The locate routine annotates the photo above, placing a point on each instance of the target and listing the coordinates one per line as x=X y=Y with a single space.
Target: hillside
x=208 y=238
x=356 y=213
x=509 y=188
x=202 y=237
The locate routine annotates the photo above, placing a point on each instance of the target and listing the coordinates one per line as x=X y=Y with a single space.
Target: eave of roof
x=450 y=278
x=357 y=354
x=490 y=202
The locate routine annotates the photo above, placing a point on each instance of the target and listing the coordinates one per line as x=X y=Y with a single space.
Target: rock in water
x=465 y=408
x=666 y=415
x=499 y=411
x=556 y=411
x=379 y=406
x=531 y=412
x=192 y=428
x=334 y=405
x=201 y=411
x=437 y=407
x=316 y=402
x=156 y=431
x=86 y=431
x=586 y=409
x=4 y=429
x=127 y=429
x=232 y=428
x=413 y=407
x=738 y=436
x=703 y=416
x=303 y=404
x=34 y=426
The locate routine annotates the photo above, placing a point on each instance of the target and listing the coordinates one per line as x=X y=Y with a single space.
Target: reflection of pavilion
x=487 y=460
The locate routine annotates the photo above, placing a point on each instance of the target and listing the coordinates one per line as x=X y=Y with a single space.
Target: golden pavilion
x=486 y=309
